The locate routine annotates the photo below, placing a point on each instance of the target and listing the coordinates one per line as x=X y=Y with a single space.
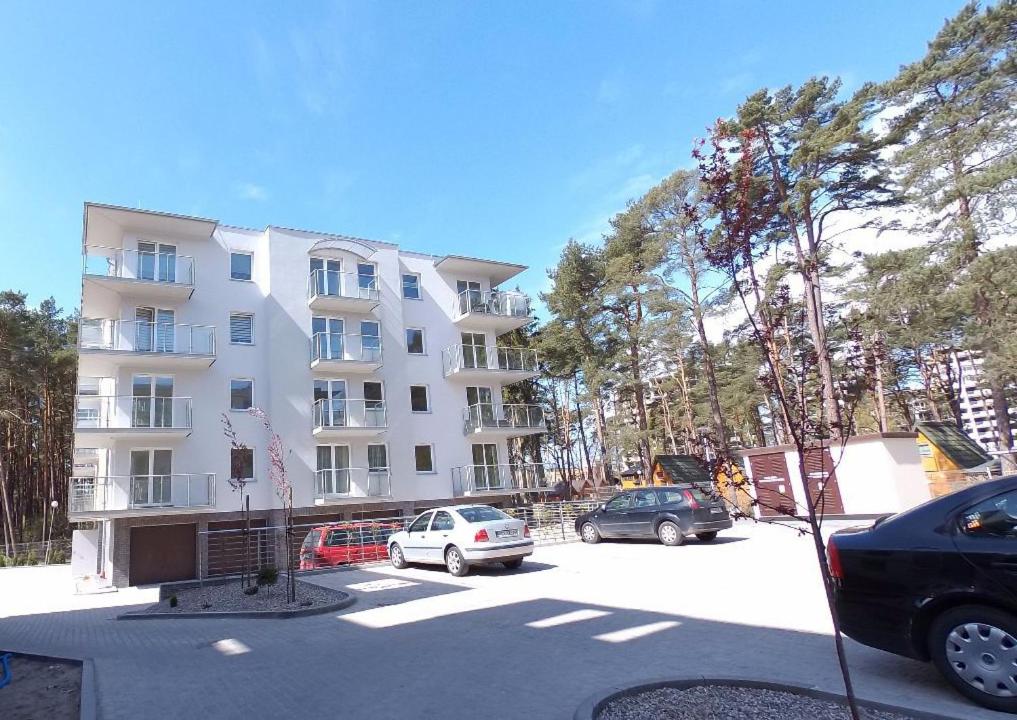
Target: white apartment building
x=380 y=368
x=976 y=406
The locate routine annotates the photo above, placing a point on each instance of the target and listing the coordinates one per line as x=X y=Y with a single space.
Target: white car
x=459 y=536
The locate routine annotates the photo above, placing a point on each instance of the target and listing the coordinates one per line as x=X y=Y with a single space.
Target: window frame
x=428 y=514
x=254 y=464
x=241 y=379
x=434 y=465
x=241 y=314
x=402 y=284
x=427 y=399
x=423 y=341
x=249 y=254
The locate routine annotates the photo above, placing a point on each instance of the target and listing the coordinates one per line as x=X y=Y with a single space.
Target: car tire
x=513 y=564
x=670 y=534
x=395 y=555
x=589 y=533
x=455 y=563
x=970 y=669
x=706 y=536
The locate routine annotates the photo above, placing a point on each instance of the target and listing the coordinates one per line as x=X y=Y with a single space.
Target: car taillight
x=481 y=536
x=526 y=530
x=693 y=503
x=833 y=560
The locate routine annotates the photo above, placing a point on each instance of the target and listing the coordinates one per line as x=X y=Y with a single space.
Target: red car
x=346 y=543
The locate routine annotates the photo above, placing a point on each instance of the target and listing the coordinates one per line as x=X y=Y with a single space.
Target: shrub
x=31 y=558
x=173 y=601
x=268 y=575
x=253 y=590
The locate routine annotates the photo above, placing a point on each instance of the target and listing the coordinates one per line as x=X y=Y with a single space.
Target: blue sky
x=495 y=129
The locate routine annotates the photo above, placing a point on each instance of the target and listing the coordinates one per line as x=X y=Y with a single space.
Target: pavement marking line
x=569 y=617
x=229 y=646
x=378 y=585
x=619 y=636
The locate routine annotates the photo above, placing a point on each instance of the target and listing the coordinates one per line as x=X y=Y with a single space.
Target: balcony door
x=154 y=330
x=330 y=403
x=480 y=404
x=328 y=338
x=367 y=280
x=485 y=466
x=374 y=404
x=327 y=281
x=377 y=470
x=470 y=296
x=474 y=350
x=370 y=340
x=157 y=261
x=152 y=401
x=333 y=469
x=151 y=477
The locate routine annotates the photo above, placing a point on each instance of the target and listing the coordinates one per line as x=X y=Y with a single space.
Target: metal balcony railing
x=502 y=303
x=126 y=264
x=488 y=357
x=520 y=477
x=131 y=411
x=489 y=416
x=337 y=284
x=345 y=346
x=146 y=336
x=346 y=413
x=352 y=482
x=135 y=492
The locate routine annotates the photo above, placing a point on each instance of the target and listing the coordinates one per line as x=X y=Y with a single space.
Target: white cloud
x=251 y=191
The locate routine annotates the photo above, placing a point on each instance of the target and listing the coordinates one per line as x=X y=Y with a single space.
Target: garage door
x=773 y=485
x=821 y=473
x=162 y=553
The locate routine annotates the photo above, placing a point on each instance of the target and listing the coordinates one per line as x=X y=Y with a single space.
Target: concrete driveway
x=495 y=644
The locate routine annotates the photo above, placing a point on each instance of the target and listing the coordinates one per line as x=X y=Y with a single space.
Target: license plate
x=506 y=533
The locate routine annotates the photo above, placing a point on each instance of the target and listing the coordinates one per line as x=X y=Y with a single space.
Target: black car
x=939 y=583
x=669 y=513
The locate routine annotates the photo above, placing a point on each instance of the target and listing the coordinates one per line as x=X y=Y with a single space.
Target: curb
x=244 y=614
x=89 y=706
x=590 y=708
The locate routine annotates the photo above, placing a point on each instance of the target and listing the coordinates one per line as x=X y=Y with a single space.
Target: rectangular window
x=411 y=286
x=377 y=458
x=419 y=401
x=241 y=394
x=415 y=341
x=242 y=463
x=240 y=265
x=423 y=456
x=241 y=328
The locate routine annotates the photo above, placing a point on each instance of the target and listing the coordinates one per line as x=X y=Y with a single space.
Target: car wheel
x=455 y=562
x=706 y=536
x=589 y=533
x=395 y=554
x=975 y=649
x=513 y=564
x=670 y=534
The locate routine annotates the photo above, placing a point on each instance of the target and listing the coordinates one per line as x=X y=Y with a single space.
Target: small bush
x=173 y=600
x=31 y=558
x=253 y=590
x=268 y=575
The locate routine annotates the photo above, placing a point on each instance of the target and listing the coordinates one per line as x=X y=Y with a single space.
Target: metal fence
x=54 y=552
x=343 y=542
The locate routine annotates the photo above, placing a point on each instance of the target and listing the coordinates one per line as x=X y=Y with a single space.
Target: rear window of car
x=482 y=513
x=338 y=537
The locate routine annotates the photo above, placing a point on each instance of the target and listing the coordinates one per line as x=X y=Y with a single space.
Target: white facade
x=976 y=405
x=160 y=319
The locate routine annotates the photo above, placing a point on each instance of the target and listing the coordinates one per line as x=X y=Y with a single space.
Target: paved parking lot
x=496 y=644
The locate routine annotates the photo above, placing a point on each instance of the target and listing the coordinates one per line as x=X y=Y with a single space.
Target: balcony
x=331 y=290
x=336 y=352
x=470 y=480
x=498 y=310
x=123 y=495
x=344 y=418
x=482 y=363
x=486 y=420
x=139 y=274
x=132 y=416
x=104 y=344
x=337 y=485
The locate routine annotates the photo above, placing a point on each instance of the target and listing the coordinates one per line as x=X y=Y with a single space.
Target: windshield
x=482 y=513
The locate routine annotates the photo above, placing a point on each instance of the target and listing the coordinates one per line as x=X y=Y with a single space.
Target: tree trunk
x=1001 y=413
x=582 y=430
x=717 y=415
x=602 y=435
x=877 y=363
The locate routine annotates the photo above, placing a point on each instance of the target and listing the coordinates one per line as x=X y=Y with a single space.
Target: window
x=481 y=513
x=420 y=524
x=367 y=283
x=241 y=328
x=242 y=463
x=411 y=286
x=415 y=341
x=241 y=394
x=442 y=521
x=377 y=458
x=240 y=265
x=419 y=401
x=619 y=503
x=423 y=455
x=995 y=517
x=645 y=499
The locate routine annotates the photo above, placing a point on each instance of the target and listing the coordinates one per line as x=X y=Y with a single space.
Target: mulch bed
x=41 y=689
x=229 y=597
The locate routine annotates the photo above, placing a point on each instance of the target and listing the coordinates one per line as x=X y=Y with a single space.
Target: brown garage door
x=820 y=471
x=162 y=553
x=773 y=485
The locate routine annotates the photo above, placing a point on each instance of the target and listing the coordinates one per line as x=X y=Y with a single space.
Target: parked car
x=939 y=583
x=460 y=536
x=669 y=513
x=346 y=543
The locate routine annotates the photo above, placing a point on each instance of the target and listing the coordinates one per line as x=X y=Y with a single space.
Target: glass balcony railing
x=345 y=347
x=488 y=357
x=500 y=303
x=489 y=416
x=337 y=284
x=352 y=482
x=146 y=336
x=517 y=477
x=343 y=413
x=122 y=412
x=154 y=266
x=134 y=492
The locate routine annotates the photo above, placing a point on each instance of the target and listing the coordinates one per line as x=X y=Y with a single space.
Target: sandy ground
x=41 y=689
